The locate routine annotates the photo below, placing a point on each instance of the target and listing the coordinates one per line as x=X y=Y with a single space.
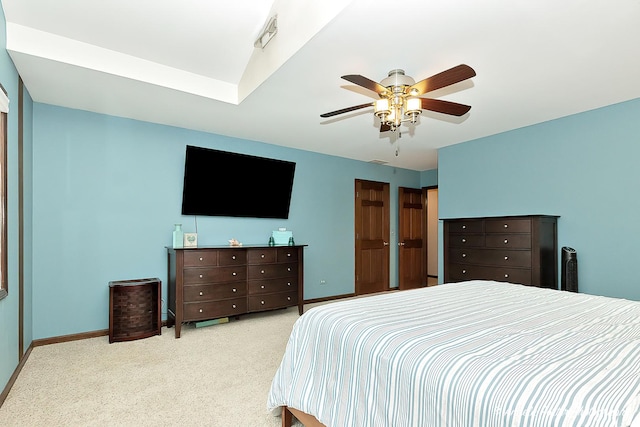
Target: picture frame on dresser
x=210 y=282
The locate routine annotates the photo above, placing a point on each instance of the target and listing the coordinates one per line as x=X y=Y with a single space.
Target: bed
x=475 y=353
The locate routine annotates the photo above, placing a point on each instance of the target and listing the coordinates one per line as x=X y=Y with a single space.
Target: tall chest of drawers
x=212 y=282
x=517 y=249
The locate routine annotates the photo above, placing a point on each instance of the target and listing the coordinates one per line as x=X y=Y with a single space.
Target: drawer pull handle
x=200 y=310
x=464 y=255
x=288 y=283
x=464 y=240
x=262 y=302
x=288 y=254
x=234 y=290
x=233 y=306
x=261 y=271
x=233 y=274
x=262 y=287
x=464 y=271
x=288 y=298
x=201 y=276
x=233 y=257
x=262 y=256
x=506 y=241
x=288 y=268
x=506 y=276
x=464 y=226
x=506 y=258
x=200 y=293
x=200 y=258
x=506 y=226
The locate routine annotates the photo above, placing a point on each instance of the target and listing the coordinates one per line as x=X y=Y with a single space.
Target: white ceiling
x=192 y=64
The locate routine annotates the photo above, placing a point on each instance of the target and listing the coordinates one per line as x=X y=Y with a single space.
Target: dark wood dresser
x=221 y=281
x=517 y=249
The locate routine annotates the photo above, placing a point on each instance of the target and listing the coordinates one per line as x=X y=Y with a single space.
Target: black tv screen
x=221 y=183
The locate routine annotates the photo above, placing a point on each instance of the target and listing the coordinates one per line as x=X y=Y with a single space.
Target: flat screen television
x=221 y=183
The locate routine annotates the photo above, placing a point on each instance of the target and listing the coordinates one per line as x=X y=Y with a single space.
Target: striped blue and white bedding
x=474 y=353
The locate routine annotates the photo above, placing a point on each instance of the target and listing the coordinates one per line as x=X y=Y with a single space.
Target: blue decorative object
x=178 y=237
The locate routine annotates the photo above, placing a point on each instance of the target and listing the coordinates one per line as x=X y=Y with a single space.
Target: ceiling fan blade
x=365 y=83
x=445 y=78
x=384 y=128
x=445 y=107
x=346 y=110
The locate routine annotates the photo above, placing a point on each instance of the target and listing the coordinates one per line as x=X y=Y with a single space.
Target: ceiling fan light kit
x=399 y=96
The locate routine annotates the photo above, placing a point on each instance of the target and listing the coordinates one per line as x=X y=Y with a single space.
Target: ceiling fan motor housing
x=397 y=81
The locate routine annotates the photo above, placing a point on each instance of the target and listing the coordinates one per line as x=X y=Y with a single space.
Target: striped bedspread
x=474 y=353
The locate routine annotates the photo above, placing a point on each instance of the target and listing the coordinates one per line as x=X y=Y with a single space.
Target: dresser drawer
x=201 y=258
x=194 y=293
x=271 y=301
x=460 y=272
x=272 y=271
x=261 y=256
x=214 y=275
x=214 y=309
x=232 y=257
x=508 y=226
x=466 y=240
x=494 y=257
x=268 y=286
x=466 y=226
x=287 y=255
x=515 y=241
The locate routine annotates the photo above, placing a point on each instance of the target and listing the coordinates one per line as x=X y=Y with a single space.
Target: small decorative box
x=281 y=237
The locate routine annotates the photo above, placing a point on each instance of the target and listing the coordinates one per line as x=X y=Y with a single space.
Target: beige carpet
x=213 y=376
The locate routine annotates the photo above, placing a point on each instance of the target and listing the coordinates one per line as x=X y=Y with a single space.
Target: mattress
x=474 y=353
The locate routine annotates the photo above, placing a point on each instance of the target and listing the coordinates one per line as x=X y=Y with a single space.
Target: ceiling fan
x=399 y=96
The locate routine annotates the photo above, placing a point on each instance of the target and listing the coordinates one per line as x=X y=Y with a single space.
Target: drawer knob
x=464 y=226
x=506 y=258
x=464 y=255
x=233 y=306
x=262 y=302
x=288 y=283
x=288 y=268
x=200 y=258
x=234 y=290
x=506 y=241
x=200 y=293
x=464 y=240
x=233 y=257
x=464 y=271
x=233 y=274
x=288 y=254
x=262 y=287
x=261 y=271
x=506 y=276
x=201 y=276
x=200 y=310
x=288 y=298
x=506 y=226
x=262 y=256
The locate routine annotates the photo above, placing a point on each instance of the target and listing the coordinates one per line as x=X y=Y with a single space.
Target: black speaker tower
x=569 y=279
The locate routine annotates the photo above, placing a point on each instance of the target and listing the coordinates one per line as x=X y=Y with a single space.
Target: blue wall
x=582 y=167
x=108 y=190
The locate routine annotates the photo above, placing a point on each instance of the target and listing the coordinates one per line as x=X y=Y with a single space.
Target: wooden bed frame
x=306 y=419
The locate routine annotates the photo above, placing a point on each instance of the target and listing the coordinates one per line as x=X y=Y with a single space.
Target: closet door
x=411 y=236
x=372 y=236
